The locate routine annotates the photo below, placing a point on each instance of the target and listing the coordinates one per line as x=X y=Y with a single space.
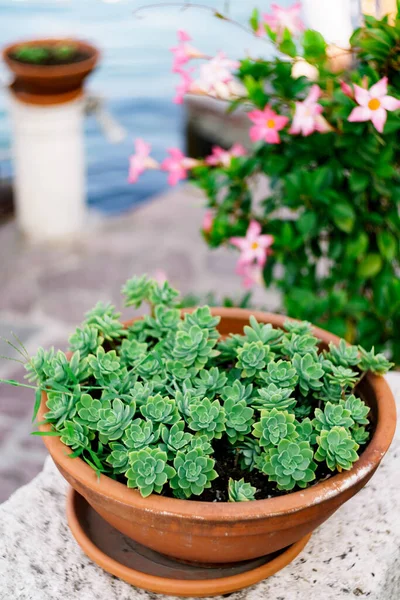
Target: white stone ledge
x=356 y=554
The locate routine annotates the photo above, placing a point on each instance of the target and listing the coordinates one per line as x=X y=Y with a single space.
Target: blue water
x=134 y=77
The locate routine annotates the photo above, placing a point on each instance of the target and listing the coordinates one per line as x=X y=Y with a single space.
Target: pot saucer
x=154 y=572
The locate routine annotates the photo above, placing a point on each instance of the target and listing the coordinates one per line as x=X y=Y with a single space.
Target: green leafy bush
x=255 y=405
x=337 y=239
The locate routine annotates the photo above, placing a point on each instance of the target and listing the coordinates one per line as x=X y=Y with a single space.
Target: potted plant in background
x=50 y=66
x=46 y=101
x=327 y=231
x=211 y=436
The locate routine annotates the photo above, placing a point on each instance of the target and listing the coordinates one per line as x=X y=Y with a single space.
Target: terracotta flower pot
x=228 y=532
x=50 y=80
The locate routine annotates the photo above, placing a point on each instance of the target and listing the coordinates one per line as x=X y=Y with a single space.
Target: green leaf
x=38 y=400
x=369 y=266
x=357 y=246
x=358 y=181
x=288 y=47
x=307 y=222
x=387 y=245
x=314 y=45
x=255 y=15
x=344 y=216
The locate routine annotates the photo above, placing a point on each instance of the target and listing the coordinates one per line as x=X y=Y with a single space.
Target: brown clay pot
x=46 y=80
x=228 y=532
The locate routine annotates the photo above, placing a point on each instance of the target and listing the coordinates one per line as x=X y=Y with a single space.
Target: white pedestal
x=49 y=168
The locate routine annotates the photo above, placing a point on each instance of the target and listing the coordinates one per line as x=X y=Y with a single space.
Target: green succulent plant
x=201 y=441
x=274 y=397
x=88 y=409
x=35 y=367
x=174 y=438
x=274 y=426
x=298 y=327
x=148 y=471
x=164 y=320
x=249 y=452
x=358 y=409
x=240 y=491
x=209 y=383
x=160 y=409
x=61 y=371
x=376 y=363
x=306 y=431
x=202 y=317
x=359 y=434
x=114 y=420
x=281 y=374
x=131 y=350
x=207 y=417
x=239 y=419
x=309 y=371
x=337 y=448
x=137 y=290
x=105 y=319
x=262 y=332
x=193 y=348
x=299 y=344
x=105 y=366
x=86 y=340
x=252 y=358
x=162 y=294
x=194 y=473
x=74 y=435
x=343 y=355
x=237 y=392
x=333 y=415
x=62 y=406
x=289 y=464
x=140 y=433
x=343 y=376
x=118 y=458
x=148 y=365
x=154 y=404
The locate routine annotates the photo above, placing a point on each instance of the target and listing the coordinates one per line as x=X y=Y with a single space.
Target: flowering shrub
x=165 y=409
x=329 y=144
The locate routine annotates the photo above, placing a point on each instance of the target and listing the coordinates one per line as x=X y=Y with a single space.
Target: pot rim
x=258 y=509
x=21 y=69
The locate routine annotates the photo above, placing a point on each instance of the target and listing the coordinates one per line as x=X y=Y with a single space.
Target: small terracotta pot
x=222 y=532
x=50 y=80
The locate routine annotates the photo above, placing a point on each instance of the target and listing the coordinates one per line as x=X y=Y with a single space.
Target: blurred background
x=134 y=78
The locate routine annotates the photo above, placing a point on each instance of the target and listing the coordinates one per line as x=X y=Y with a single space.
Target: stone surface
x=46 y=289
x=356 y=554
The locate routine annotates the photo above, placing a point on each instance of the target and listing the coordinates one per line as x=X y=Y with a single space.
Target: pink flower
x=347 y=89
x=266 y=125
x=223 y=158
x=285 y=18
x=373 y=104
x=216 y=78
x=184 y=52
x=177 y=165
x=307 y=117
x=254 y=247
x=208 y=221
x=140 y=161
x=184 y=87
x=251 y=273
